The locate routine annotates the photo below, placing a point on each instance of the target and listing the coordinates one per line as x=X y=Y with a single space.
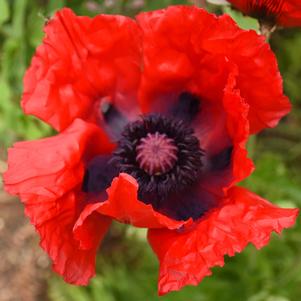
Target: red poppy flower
x=153 y=118
x=285 y=13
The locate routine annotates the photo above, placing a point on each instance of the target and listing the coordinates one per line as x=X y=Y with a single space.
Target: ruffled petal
x=187 y=257
x=257 y=69
x=200 y=47
x=238 y=128
x=172 y=65
x=226 y=163
x=47 y=175
x=82 y=62
x=55 y=165
x=73 y=254
x=123 y=205
x=90 y=227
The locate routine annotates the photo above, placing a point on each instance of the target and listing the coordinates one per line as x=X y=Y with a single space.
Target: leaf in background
x=4 y=11
x=19 y=17
x=55 y=5
x=60 y=292
x=242 y=21
x=5 y=94
x=152 y=5
x=36 y=22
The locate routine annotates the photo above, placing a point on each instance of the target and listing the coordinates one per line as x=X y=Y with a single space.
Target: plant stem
x=266 y=29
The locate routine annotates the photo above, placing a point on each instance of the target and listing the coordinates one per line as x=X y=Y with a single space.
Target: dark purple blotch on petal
x=191 y=203
x=221 y=160
x=115 y=121
x=99 y=174
x=186 y=107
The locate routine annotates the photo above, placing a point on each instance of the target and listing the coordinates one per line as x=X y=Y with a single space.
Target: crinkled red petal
x=72 y=257
x=81 y=62
x=88 y=229
x=124 y=206
x=202 y=44
x=171 y=62
x=236 y=125
x=238 y=128
x=55 y=165
x=47 y=175
x=187 y=257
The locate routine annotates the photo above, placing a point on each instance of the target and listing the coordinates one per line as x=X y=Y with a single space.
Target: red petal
x=171 y=63
x=257 y=69
x=90 y=226
x=291 y=14
x=186 y=258
x=234 y=125
x=237 y=111
x=123 y=205
x=81 y=61
x=47 y=176
x=287 y=15
x=73 y=260
x=205 y=45
x=242 y=5
x=55 y=165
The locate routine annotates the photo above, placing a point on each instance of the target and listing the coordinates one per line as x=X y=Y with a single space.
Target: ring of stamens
x=161 y=153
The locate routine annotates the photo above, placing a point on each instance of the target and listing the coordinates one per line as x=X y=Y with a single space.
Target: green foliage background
x=127 y=269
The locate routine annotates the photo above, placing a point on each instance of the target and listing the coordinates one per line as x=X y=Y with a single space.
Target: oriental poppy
x=153 y=116
x=286 y=13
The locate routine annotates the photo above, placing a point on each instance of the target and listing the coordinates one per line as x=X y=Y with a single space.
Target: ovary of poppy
x=286 y=13
x=153 y=116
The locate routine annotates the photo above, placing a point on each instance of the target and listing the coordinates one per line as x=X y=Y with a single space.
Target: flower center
x=156 y=153
x=162 y=154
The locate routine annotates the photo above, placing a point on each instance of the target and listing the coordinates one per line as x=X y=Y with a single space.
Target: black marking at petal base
x=222 y=160
x=114 y=119
x=99 y=174
x=193 y=202
x=187 y=107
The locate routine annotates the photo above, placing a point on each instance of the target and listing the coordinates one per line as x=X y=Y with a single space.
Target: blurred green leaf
x=4 y=11
x=242 y=21
x=55 y=5
x=152 y=5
